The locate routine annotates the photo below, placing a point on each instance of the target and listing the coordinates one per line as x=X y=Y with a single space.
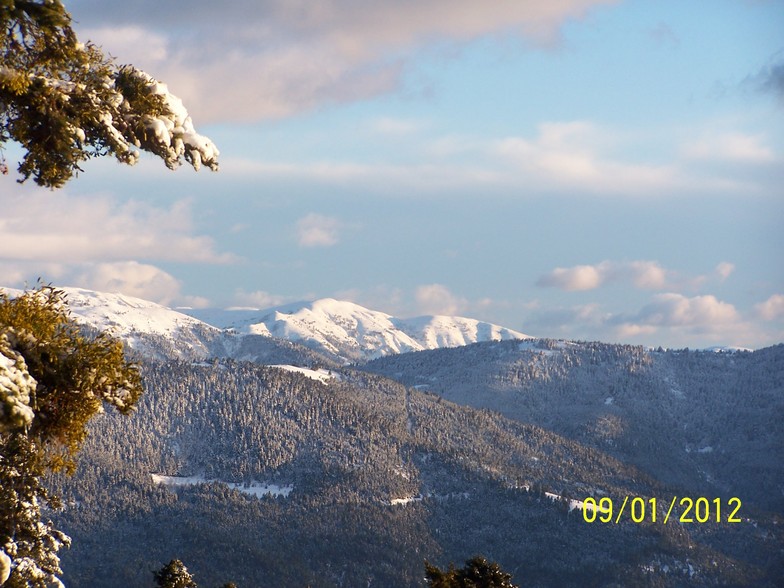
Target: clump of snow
x=5 y=567
x=407 y=500
x=174 y=132
x=573 y=504
x=17 y=387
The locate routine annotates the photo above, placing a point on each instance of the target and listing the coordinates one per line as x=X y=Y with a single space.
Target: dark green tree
x=65 y=102
x=53 y=380
x=477 y=573
x=174 y=575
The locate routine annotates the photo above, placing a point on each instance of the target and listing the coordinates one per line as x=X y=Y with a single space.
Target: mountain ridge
x=351 y=331
x=342 y=331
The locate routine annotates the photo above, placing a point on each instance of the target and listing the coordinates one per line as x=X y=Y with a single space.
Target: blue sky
x=583 y=169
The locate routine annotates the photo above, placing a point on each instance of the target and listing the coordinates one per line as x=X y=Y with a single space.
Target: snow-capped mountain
x=127 y=317
x=123 y=316
x=145 y=326
x=343 y=331
x=352 y=332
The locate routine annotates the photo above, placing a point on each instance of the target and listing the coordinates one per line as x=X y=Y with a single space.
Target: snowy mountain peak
x=342 y=330
x=352 y=332
x=126 y=316
x=138 y=322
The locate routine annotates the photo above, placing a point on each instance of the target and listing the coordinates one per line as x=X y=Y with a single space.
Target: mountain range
x=325 y=444
x=342 y=331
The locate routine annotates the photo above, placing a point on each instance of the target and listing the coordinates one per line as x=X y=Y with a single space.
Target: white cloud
x=677 y=310
x=19 y=274
x=576 y=155
x=668 y=319
x=579 y=158
x=126 y=277
x=677 y=320
x=732 y=147
x=633 y=331
x=147 y=46
x=317 y=230
x=301 y=54
x=394 y=180
x=133 y=279
x=257 y=299
x=437 y=299
x=580 y=277
x=772 y=309
x=47 y=226
x=724 y=270
x=647 y=275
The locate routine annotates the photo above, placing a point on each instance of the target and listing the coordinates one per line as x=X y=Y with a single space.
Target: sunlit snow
x=257 y=489
x=320 y=375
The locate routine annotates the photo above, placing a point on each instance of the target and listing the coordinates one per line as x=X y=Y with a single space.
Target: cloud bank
x=648 y=275
x=302 y=55
x=39 y=225
x=642 y=274
x=96 y=242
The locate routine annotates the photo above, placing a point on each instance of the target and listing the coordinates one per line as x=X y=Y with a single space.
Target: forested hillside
x=706 y=422
x=364 y=479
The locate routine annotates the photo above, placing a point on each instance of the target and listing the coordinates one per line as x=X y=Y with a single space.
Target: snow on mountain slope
x=126 y=316
x=354 y=333
x=434 y=332
x=341 y=330
x=138 y=322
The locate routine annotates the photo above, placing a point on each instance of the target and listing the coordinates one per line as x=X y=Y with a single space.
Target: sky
x=581 y=169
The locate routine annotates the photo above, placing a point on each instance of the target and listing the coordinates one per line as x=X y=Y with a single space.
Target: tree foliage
x=73 y=375
x=477 y=573
x=53 y=380
x=174 y=575
x=65 y=102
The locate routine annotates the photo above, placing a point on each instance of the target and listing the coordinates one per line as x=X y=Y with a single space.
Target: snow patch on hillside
x=320 y=375
x=579 y=504
x=257 y=489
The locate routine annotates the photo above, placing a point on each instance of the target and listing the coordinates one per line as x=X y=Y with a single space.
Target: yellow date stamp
x=639 y=510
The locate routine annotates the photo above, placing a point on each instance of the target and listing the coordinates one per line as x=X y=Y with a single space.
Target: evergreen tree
x=477 y=573
x=174 y=575
x=53 y=380
x=65 y=102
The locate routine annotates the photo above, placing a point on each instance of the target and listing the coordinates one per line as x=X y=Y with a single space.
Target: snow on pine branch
x=168 y=133
x=17 y=387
